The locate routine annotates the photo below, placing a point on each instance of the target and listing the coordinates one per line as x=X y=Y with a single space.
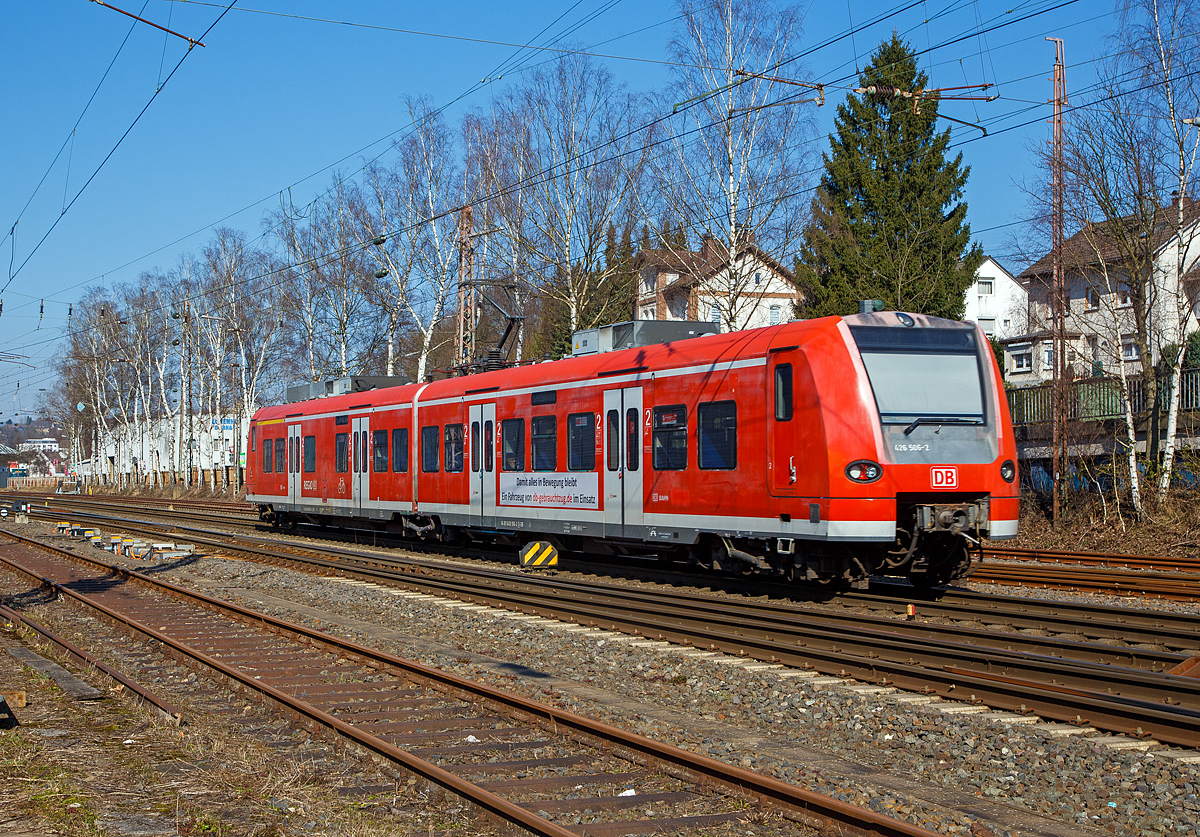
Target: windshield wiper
x=939 y=420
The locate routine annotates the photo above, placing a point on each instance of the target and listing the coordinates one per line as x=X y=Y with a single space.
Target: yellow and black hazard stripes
x=539 y=554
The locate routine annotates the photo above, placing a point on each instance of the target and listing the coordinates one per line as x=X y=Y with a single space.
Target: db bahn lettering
x=943 y=477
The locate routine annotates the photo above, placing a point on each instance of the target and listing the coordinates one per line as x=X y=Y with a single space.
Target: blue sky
x=274 y=102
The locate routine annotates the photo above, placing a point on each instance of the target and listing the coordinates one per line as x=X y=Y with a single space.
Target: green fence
x=1095 y=399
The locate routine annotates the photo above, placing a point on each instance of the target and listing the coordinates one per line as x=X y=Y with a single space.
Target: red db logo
x=945 y=477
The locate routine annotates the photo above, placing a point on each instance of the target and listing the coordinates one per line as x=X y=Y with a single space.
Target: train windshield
x=923 y=375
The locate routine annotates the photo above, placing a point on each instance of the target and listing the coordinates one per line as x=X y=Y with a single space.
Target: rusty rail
x=807 y=806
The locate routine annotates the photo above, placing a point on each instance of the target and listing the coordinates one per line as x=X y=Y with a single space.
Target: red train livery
x=822 y=449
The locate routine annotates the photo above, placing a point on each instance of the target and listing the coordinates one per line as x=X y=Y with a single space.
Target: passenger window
x=280 y=456
x=268 y=456
x=340 y=454
x=670 y=438
x=716 y=444
x=310 y=454
x=356 y=468
x=430 y=437
x=474 y=446
x=544 y=441
x=454 y=448
x=363 y=446
x=633 y=441
x=400 y=450
x=581 y=441
x=783 y=392
x=379 y=451
x=488 y=459
x=512 y=445
x=253 y=439
x=613 y=442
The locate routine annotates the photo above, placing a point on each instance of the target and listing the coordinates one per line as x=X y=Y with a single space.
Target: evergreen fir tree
x=887 y=219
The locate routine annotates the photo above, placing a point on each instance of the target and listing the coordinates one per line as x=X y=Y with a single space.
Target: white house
x=46 y=445
x=1099 y=314
x=997 y=301
x=750 y=291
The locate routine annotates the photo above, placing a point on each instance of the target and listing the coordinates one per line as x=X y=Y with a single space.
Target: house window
x=1093 y=298
x=714 y=314
x=1123 y=296
x=758 y=278
x=1048 y=356
x=648 y=313
x=985 y=287
x=775 y=309
x=988 y=326
x=1022 y=361
x=1007 y=324
x=1129 y=349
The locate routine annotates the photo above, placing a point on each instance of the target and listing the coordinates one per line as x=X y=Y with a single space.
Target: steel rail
x=766 y=617
x=812 y=808
x=867 y=655
x=1177 y=586
x=1106 y=559
x=163 y=708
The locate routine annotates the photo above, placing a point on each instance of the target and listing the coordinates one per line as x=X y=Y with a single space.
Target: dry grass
x=1171 y=528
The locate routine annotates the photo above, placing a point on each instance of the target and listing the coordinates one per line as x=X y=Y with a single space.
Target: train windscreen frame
x=923 y=375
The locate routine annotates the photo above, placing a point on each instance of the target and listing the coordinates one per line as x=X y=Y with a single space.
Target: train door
x=293 y=464
x=622 y=462
x=783 y=452
x=361 y=470
x=481 y=451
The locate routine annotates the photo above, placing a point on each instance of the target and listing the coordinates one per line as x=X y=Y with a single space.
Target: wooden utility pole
x=1059 y=300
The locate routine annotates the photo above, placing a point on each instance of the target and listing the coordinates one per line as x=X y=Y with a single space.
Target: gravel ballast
x=957 y=769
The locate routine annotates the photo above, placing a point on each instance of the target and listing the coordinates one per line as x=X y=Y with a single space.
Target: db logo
x=944 y=477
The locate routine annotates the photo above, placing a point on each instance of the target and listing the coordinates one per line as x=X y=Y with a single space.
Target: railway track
x=1092 y=577
x=1093 y=559
x=1118 y=689
x=542 y=769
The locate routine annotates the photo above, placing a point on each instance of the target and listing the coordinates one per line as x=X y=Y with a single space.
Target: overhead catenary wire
x=107 y=157
x=451 y=210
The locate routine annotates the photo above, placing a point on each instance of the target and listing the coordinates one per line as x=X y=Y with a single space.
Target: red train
x=822 y=449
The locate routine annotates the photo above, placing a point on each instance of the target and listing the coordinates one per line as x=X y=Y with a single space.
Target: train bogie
x=825 y=449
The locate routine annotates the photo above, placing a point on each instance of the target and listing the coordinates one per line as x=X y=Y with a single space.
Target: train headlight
x=864 y=471
x=1008 y=470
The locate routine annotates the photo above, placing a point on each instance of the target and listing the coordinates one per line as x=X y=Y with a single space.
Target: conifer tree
x=888 y=221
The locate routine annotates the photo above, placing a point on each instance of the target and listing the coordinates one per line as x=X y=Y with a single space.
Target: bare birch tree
x=734 y=168
x=565 y=160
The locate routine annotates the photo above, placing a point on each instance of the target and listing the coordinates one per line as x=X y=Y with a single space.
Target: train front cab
x=947 y=455
x=890 y=448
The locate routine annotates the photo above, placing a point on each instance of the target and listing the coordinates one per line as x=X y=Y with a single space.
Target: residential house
x=700 y=285
x=1099 y=312
x=996 y=301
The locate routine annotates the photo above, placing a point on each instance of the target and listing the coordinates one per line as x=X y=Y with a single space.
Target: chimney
x=710 y=251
